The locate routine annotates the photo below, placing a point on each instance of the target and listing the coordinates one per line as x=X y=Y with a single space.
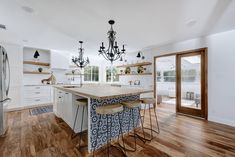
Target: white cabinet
x=58 y=101
x=36 y=95
x=65 y=108
x=59 y=61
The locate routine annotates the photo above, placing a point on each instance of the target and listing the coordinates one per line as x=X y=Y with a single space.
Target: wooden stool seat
x=109 y=109
x=131 y=104
x=81 y=102
x=148 y=100
x=131 y=107
x=108 y=112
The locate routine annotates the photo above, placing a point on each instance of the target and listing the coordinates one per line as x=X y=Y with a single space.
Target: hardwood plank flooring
x=45 y=135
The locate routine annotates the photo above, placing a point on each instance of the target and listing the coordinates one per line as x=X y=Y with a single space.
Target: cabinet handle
x=37 y=100
x=60 y=92
x=37 y=87
x=66 y=93
x=37 y=92
x=60 y=97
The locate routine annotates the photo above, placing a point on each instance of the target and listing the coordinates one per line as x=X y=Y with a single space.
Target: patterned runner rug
x=41 y=110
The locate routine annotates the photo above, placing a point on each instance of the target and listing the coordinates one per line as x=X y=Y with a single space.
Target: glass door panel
x=191 y=82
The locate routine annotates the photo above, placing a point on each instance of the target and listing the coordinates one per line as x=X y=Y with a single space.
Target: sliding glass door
x=181 y=79
x=191 y=83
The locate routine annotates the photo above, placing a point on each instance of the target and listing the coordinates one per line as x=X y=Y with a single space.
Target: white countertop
x=103 y=91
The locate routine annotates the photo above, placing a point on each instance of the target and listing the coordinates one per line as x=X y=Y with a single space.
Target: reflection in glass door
x=165 y=82
x=192 y=83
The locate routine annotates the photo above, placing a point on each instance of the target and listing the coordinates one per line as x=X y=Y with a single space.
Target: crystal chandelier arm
x=105 y=55
x=107 y=52
x=118 y=56
x=86 y=63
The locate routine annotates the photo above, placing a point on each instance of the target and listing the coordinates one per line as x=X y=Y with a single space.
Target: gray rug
x=41 y=110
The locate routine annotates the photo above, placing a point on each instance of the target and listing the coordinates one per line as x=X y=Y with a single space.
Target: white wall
x=221 y=76
x=15 y=54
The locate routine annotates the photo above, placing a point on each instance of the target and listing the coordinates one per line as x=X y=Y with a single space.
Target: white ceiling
x=60 y=24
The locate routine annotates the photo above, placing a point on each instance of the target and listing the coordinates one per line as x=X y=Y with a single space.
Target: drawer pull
x=66 y=93
x=37 y=92
x=60 y=97
x=37 y=87
x=37 y=100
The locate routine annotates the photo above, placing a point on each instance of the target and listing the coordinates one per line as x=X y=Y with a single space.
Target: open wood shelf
x=135 y=64
x=135 y=74
x=36 y=63
x=35 y=72
x=73 y=74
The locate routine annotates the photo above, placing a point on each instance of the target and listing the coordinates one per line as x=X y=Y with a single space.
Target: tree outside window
x=112 y=74
x=91 y=74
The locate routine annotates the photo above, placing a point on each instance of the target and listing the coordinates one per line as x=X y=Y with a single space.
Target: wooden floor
x=47 y=136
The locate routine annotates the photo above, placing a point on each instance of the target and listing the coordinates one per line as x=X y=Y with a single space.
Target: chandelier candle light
x=112 y=53
x=80 y=61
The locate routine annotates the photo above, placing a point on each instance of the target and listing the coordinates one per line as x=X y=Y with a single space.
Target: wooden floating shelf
x=73 y=74
x=135 y=64
x=135 y=74
x=35 y=72
x=36 y=63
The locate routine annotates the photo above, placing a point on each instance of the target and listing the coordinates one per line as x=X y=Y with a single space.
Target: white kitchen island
x=97 y=95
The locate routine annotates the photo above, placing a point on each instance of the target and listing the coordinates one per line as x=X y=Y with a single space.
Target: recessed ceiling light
x=27 y=9
x=3 y=26
x=191 y=22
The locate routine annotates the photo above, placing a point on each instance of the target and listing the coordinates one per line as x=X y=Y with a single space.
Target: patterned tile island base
x=94 y=118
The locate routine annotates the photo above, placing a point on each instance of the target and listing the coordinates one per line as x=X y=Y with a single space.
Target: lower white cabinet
x=65 y=108
x=37 y=95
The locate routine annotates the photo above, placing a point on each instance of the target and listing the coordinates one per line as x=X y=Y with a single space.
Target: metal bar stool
x=84 y=104
x=109 y=111
x=131 y=105
x=148 y=101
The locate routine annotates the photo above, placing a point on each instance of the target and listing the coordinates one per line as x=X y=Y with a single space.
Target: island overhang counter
x=98 y=95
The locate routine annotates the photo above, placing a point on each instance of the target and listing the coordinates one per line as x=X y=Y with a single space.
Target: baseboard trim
x=221 y=121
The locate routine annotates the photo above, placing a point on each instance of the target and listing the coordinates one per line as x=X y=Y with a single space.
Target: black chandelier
x=80 y=61
x=112 y=53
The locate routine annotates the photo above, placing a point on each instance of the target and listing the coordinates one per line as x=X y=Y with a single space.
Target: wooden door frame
x=204 y=76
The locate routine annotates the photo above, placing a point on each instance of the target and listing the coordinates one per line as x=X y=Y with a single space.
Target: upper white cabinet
x=59 y=60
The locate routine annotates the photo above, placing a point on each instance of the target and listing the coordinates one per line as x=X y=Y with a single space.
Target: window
x=91 y=73
x=189 y=75
x=112 y=74
x=159 y=77
x=169 y=76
